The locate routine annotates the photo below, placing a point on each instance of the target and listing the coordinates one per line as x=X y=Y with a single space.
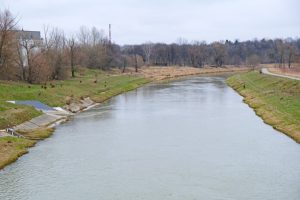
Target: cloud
x=164 y=21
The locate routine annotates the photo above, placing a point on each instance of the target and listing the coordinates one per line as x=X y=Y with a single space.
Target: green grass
x=11 y=114
x=96 y=84
x=12 y=148
x=58 y=92
x=276 y=100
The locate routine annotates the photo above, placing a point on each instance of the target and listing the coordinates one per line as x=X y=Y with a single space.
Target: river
x=191 y=139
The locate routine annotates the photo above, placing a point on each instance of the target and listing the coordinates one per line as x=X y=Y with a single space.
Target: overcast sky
x=136 y=21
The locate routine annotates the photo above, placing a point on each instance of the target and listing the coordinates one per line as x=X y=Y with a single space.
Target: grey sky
x=136 y=21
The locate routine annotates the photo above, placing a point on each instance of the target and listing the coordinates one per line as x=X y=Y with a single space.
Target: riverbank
x=276 y=100
x=162 y=73
x=97 y=85
x=12 y=148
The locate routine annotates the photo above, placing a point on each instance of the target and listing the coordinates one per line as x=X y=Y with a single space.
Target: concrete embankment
x=37 y=128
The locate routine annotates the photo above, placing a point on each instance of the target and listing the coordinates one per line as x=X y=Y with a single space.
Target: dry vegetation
x=12 y=148
x=161 y=73
x=38 y=134
x=293 y=72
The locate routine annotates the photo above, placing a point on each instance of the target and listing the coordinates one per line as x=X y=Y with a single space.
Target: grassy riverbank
x=276 y=100
x=96 y=84
x=12 y=148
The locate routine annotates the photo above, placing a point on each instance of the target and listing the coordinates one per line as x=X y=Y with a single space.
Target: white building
x=30 y=42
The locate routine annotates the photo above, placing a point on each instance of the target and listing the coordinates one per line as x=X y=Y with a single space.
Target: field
x=276 y=100
x=161 y=73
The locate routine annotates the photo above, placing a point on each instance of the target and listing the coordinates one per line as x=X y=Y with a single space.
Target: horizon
x=136 y=23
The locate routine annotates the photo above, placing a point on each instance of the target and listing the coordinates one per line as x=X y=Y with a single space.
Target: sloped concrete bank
x=44 y=123
x=52 y=118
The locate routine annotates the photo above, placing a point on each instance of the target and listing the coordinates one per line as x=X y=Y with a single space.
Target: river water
x=192 y=139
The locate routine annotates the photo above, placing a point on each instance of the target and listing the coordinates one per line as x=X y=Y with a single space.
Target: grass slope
x=106 y=86
x=276 y=100
x=96 y=84
x=12 y=148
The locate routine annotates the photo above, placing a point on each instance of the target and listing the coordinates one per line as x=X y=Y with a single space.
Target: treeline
x=28 y=56
x=199 y=54
x=53 y=55
x=34 y=58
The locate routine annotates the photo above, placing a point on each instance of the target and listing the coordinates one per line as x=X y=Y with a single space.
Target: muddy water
x=186 y=140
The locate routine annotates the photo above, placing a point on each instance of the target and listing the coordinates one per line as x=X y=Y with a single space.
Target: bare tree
x=219 y=53
x=72 y=51
x=124 y=63
x=253 y=61
x=280 y=48
x=147 y=48
x=96 y=36
x=55 y=45
x=291 y=51
x=8 y=24
x=29 y=51
x=183 y=51
x=21 y=61
x=83 y=35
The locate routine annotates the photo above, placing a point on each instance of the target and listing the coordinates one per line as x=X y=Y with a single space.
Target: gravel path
x=266 y=71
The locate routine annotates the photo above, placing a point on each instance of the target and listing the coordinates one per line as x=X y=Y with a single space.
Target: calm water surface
x=188 y=140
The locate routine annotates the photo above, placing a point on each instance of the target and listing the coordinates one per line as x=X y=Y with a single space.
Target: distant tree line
x=57 y=56
x=199 y=54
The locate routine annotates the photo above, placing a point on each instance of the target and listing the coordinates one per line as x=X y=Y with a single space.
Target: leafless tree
x=55 y=45
x=280 y=48
x=29 y=51
x=8 y=24
x=219 y=53
x=147 y=48
x=291 y=51
x=124 y=63
x=72 y=52
x=97 y=36
x=253 y=61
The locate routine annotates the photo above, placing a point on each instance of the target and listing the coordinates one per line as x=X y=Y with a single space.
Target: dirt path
x=266 y=71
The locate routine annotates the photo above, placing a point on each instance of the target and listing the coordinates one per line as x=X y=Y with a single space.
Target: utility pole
x=109 y=33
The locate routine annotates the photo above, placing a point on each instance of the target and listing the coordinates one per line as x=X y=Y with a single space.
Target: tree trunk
x=290 y=61
x=29 y=80
x=136 y=64
x=23 y=73
x=124 y=66
x=72 y=64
